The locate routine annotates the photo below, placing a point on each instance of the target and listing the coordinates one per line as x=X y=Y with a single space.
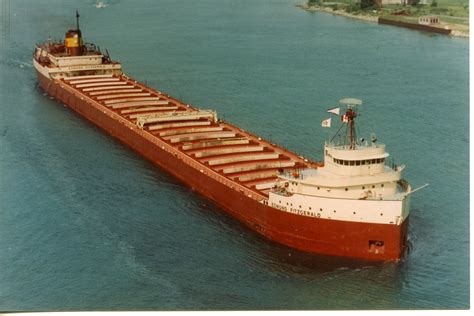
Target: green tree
x=364 y=4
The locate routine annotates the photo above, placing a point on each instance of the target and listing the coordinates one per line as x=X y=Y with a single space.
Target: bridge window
x=358 y=162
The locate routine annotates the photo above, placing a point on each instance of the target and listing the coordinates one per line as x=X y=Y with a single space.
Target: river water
x=86 y=224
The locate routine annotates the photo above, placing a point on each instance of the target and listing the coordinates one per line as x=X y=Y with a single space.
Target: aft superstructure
x=73 y=57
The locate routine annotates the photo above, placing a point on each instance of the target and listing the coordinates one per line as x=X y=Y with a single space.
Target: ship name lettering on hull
x=279 y=207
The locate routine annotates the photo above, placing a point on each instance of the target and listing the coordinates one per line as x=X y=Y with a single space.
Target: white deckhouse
x=356 y=183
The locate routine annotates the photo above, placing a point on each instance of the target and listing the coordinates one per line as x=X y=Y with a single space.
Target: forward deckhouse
x=326 y=179
x=353 y=171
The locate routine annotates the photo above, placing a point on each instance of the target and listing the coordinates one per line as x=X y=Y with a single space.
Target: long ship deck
x=217 y=148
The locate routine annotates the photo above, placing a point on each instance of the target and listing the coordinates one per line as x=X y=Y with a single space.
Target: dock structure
x=216 y=146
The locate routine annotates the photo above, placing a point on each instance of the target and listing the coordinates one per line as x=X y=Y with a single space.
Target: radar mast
x=350 y=134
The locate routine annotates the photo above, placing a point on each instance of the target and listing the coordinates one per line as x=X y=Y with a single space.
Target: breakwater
x=415 y=26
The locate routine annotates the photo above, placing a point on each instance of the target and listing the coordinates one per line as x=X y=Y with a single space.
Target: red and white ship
x=353 y=205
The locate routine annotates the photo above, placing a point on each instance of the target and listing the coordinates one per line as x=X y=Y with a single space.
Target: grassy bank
x=453 y=14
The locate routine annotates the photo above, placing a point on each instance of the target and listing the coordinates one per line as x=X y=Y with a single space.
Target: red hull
x=309 y=234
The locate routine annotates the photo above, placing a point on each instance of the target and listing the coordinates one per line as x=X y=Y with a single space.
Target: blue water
x=86 y=224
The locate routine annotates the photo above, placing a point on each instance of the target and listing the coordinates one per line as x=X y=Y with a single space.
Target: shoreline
x=366 y=18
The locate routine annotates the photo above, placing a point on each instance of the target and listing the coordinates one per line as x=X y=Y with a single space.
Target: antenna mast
x=351 y=114
x=77 y=20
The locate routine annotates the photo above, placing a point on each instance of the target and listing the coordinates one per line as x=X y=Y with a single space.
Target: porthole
x=300 y=206
x=321 y=209
x=381 y=185
x=373 y=187
x=310 y=208
x=346 y=189
x=363 y=188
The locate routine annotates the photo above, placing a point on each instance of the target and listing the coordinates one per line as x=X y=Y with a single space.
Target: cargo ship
x=353 y=204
